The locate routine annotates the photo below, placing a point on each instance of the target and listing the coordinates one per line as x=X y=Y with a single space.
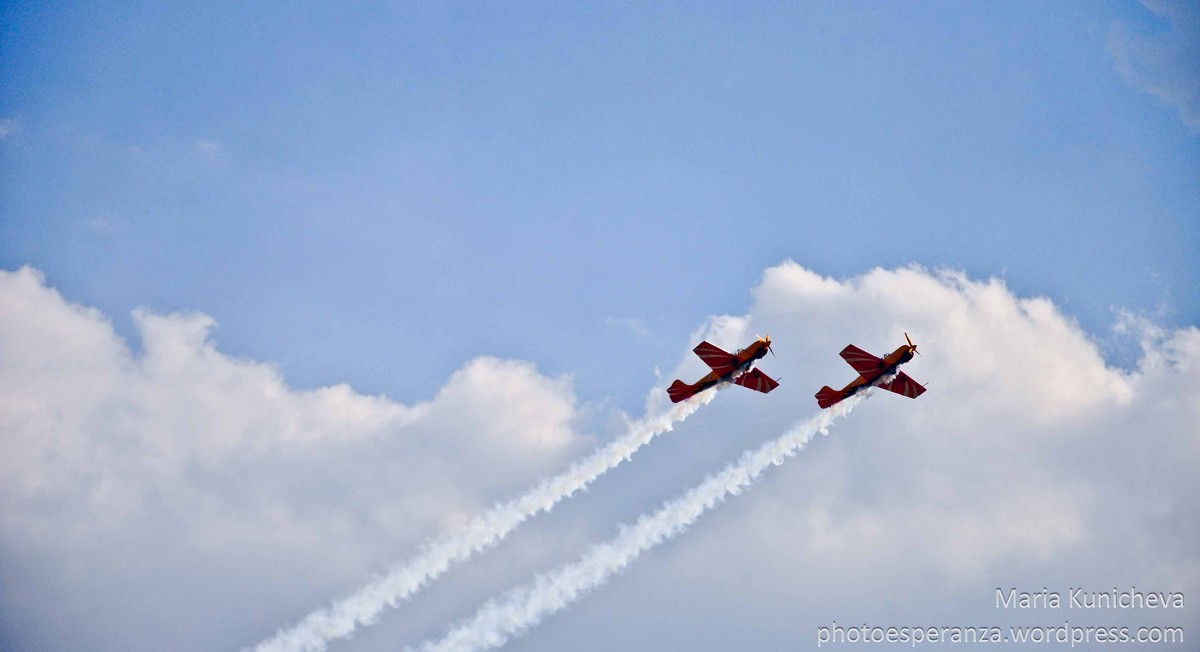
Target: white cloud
x=100 y=224
x=634 y=325
x=185 y=453
x=147 y=495
x=1029 y=463
x=103 y=224
x=1164 y=64
x=207 y=147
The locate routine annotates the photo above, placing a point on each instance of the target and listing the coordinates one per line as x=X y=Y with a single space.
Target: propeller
x=765 y=340
x=911 y=345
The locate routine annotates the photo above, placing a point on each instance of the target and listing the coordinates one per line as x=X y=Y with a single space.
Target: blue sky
x=375 y=194
x=502 y=225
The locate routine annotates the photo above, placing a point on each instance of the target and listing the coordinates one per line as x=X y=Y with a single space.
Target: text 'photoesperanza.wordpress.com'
x=1058 y=632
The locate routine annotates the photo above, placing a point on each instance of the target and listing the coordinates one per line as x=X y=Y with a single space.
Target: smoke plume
x=521 y=608
x=362 y=607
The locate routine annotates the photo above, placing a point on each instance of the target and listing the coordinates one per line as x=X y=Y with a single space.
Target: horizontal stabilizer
x=680 y=391
x=827 y=397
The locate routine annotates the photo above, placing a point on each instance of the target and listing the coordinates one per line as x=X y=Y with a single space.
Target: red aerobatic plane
x=725 y=366
x=871 y=370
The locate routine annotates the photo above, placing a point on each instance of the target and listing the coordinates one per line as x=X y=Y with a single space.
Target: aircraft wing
x=757 y=381
x=904 y=386
x=863 y=362
x=720 y=360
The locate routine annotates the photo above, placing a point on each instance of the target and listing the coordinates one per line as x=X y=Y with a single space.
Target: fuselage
x=891 y=362
x=745 y=360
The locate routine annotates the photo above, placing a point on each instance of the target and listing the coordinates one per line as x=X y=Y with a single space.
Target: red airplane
x=725 y=366
x=871 y=370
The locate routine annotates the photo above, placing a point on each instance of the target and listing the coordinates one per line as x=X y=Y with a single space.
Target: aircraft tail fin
x=827 y=397
x=680 y=391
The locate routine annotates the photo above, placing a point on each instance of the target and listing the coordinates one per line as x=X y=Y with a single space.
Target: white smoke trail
x=523 y=607
x=362 y=607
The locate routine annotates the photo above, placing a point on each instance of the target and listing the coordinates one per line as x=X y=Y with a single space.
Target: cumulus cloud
x=183 y=490
x=1164 y=64
x=1030 y=462
x=116 y=467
